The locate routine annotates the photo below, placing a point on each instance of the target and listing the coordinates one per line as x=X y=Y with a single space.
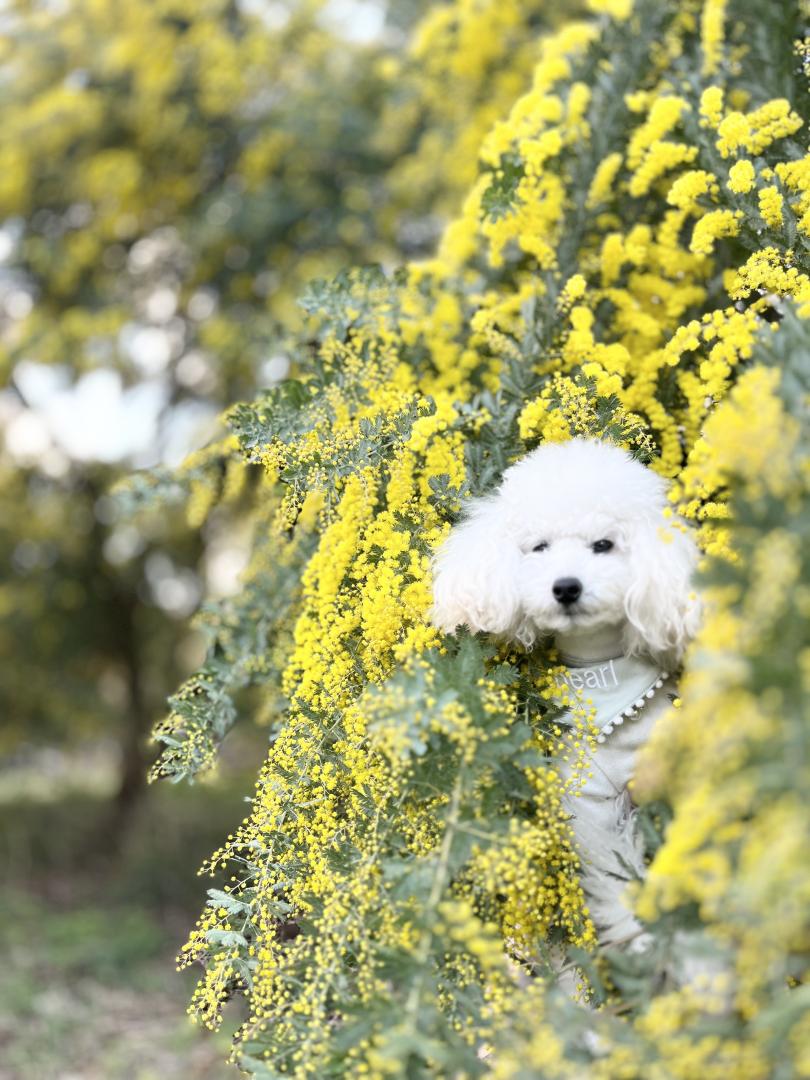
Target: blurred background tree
x=171 y=172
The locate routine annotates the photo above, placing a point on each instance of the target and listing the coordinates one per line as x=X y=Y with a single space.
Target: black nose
x=567 y=590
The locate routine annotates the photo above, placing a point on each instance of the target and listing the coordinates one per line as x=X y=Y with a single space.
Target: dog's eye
x=541 y=546
x=602 y=546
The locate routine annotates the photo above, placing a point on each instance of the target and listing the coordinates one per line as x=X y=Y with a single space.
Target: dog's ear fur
x=474 y=578
x=663 y=612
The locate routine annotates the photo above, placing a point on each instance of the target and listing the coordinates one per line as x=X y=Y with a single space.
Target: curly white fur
x=489 y=577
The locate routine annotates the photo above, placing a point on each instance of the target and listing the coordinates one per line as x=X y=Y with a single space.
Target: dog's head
x=575 y=538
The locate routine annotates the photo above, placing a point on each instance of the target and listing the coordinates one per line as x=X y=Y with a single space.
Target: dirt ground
x=88 y=983
x=85 y=1029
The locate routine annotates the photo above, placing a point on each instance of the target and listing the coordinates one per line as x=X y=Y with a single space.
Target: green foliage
x=498 y=199
x=242 y=650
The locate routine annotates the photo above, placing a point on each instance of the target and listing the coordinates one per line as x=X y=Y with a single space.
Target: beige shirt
x=607 y=841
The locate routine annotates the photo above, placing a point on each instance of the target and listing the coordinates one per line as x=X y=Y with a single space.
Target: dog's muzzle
x=567 y=590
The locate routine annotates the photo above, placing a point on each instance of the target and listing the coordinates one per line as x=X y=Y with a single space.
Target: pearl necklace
x=617 y=688
x=632 y=711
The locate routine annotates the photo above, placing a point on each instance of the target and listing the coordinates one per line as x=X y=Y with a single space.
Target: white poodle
x=575 y=543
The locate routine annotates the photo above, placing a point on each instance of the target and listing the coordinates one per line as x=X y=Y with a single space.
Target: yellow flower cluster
x=689 y=187
x=712 y=226
x=733 y=848
x=795 y=176
x=712 y=27
x=487 y=50
x=603 y=277
x=741 y=177
x=756 y=131
x=773 y=271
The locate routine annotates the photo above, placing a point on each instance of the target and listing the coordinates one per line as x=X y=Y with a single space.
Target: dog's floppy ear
x=663 y=612
x=474 y=574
